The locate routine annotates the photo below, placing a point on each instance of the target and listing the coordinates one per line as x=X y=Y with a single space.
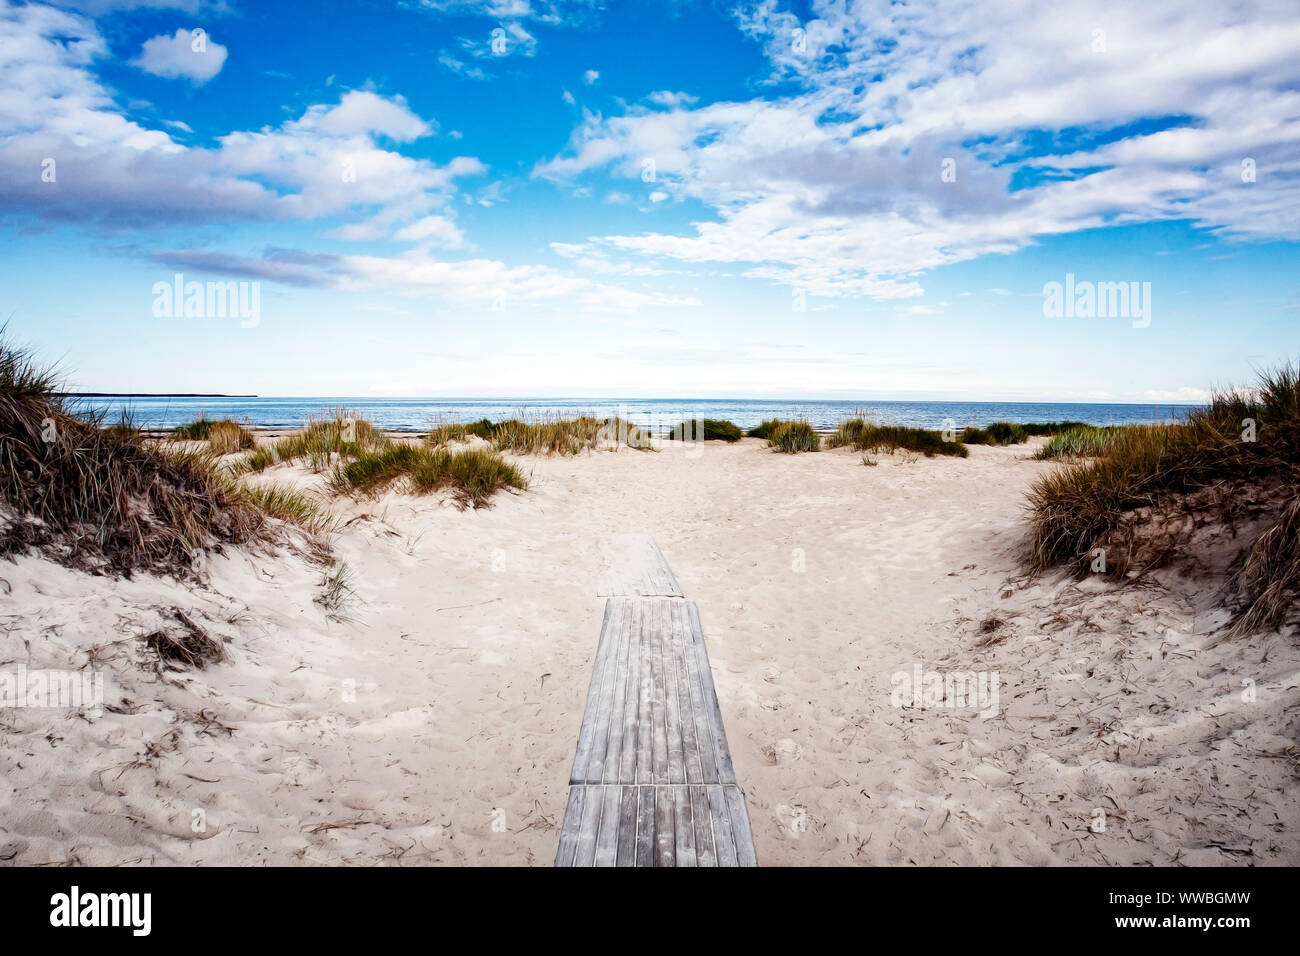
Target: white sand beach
x=437 y=723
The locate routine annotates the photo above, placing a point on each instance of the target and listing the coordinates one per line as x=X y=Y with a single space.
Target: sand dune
x=437 y=724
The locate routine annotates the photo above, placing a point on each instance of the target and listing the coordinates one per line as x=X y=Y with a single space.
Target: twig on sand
x=461 y=607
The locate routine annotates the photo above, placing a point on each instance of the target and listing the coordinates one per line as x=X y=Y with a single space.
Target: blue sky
x=835 y=200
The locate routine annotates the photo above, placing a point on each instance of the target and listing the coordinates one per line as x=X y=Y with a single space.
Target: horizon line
x=607 y=399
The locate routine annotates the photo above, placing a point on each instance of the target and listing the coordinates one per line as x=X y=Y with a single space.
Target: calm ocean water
x=416 y=414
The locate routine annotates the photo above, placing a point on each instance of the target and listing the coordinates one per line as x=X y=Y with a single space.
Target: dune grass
x=765 y=429
x=793 y=437
x=224 y=436
x=334 y=432
x=862 y=435
x=706 y=429
x=547 y=434
x=227 y=437
x=1119 y=499
x=289 y=505
x=1080 y=441
x=197 y=430
x=105 y=499
x=1013 y=433
x=472 y=476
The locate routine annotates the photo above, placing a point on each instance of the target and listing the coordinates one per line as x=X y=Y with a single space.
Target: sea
x=656 y=414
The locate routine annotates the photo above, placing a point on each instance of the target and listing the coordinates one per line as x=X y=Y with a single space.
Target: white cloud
x=671 y=99
x=838 y=186
x=118 y=174
x=590 y=77
x=362 y=113
x=432 y=230
x=460 y=67
x=552 y=12
x=190 y=54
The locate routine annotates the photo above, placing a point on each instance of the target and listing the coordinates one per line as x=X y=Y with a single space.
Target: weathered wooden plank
x=613 y=748
x=627 y=823
x=665 y=828
x=631 y=706
x=614 y=637
x=587 y=731
x=726 y=774
x=645 y=705
x=637 y=569
x=699 y=712
x=705 y=854
x=720 y=816
x=744 y=839
x=672 y=710
x=684 y=828
x=646 y=841
x=607 y=836
x=668 y=580
x=659 y=708
x=569 y=829
x=587 y=830
x=686 y=706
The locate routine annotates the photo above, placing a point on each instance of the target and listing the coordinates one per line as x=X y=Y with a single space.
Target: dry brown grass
x=1149 y=483
x=107 y=499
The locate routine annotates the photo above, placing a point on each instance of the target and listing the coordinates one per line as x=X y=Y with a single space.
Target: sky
x=653 y=199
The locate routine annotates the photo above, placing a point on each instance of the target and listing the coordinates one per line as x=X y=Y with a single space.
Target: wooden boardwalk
x=652 y=781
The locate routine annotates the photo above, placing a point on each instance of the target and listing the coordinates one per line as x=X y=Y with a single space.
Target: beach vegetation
x=794 y=437
x=1142 y=490
x=105 y=499
x=865 y=436
x=706 y=429
x=472 y=476
x=329 y=435
x=548 y=434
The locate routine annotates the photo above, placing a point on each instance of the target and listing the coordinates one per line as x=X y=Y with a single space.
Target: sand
x=436 y=722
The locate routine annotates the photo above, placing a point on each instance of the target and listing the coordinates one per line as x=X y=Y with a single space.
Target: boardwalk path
x=652 y=781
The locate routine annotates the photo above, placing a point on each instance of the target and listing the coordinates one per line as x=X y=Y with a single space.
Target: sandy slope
x=438 y=726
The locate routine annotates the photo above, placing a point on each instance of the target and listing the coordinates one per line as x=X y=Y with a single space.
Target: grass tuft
x=472 y=476
x=793 y=437
x=861 y=435
x=289 y=505
x=765 y=429
x=334 y=433
x=1079 y=441
x=706 y=429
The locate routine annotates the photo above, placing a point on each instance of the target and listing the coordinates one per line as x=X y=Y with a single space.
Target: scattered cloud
x=187 y=54
x=432 y=230
x=460 y=67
